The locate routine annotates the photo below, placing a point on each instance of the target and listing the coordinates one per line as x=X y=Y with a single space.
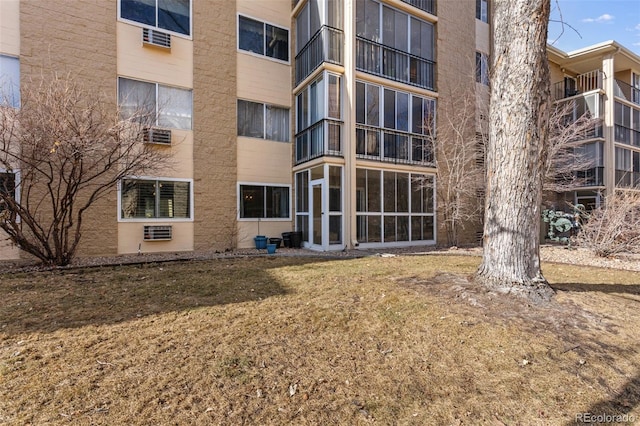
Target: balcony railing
x=389 y=146
x=323 y=138
x=325 y=46
x=626 y=91
x=626 y=135
x=384 y=61
x=426 y=5
x=583 y=83
x=590 y=177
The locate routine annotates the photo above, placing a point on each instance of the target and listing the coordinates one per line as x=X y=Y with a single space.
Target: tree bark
x=516 y=152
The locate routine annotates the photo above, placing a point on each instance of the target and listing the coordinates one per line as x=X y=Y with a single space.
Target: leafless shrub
x=614 y=227
x=66 y=146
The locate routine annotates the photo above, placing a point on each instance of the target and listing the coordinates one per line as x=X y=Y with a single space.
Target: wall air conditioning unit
x=155 y=135
x=156 y=38
x=157 y=233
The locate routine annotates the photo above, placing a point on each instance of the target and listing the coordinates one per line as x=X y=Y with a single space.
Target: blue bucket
x=261 y=242
x=271 y=248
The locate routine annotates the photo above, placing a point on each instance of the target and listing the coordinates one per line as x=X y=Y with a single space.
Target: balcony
x=626 y=135
x=590 y=177
x=426 y=5
x=583 y=83
x=323 y=138
x=384 y=61
x=390 y=146
x=626 y=91
x=325 y=46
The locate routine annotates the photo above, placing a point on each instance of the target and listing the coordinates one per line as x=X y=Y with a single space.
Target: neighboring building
x=310 y=115
x=603 y=81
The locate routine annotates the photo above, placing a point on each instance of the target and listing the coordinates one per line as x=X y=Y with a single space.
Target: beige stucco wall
x=132 y=238
x=262 y=79
x=58 y=35
x=171 y=67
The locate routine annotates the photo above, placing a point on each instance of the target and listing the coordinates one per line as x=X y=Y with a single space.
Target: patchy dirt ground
x=257 y=339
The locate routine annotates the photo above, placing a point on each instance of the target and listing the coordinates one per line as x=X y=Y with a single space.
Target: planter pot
x=296 y=239
x=261 y=242
x=271 y=248
x=286 y=239
x=275 y=241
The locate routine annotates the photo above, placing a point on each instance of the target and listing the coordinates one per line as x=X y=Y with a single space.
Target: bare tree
x=459 y=160
x=567 y=152
x=614 y=227
x=516 y=151
x=62 y=150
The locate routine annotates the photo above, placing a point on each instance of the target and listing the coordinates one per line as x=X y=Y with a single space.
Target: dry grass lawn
x=281 y=340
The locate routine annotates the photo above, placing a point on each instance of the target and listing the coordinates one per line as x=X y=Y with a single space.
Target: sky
x=591 y=22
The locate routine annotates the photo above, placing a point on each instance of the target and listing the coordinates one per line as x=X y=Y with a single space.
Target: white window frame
x=13 y=91
x=264 y=120
x=157 y=103
x=482 y=74
x=264 y=24
x=155 y=27
x=263 y=219
x=155 y=220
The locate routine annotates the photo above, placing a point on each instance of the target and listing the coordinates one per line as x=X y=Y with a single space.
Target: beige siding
x=276 y=12
x=132 y=239
x=264 y=161
x=263 y=80
x=247 y=230
x=10 y=27
x=172 y=67
x=7 y=249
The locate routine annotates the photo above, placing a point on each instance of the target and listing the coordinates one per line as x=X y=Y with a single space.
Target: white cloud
x=601 y=19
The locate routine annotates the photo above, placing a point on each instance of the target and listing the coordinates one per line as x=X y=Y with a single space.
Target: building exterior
x=603 y=81
x=309 y=115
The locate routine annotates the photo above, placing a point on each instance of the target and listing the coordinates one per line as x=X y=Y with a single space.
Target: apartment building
x=603 y=81
x=309 y=115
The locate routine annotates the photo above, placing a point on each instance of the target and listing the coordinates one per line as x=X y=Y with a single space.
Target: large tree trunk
x=518 y=131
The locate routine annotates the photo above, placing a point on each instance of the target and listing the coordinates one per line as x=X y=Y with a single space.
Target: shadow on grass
x=48 y=301
x=614 y=410
x=602 y=288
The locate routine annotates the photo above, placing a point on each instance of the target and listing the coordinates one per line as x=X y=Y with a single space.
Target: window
x=266 y=202
x=9 y=81
x=257 y=120
x=160 y=105
x=263 y=39
x=394 y=206
x=7 y=188
x=169 y=15
x=482 y=10
x=403 y=116
x=482 y=68
x=313 y=16
x=155 y=199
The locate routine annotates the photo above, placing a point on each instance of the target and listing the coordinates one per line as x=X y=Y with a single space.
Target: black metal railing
x=373 y=143
x=322 y=138
x=590 y=177
x=626 y=135
x=327 y=45
x=426 y=5
x=626 y=91
x=384 y=61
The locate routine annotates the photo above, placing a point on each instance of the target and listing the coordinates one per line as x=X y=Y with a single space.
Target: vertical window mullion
x=264 y=202
x=157 y=106
x=157 y=15
x=156 y=208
